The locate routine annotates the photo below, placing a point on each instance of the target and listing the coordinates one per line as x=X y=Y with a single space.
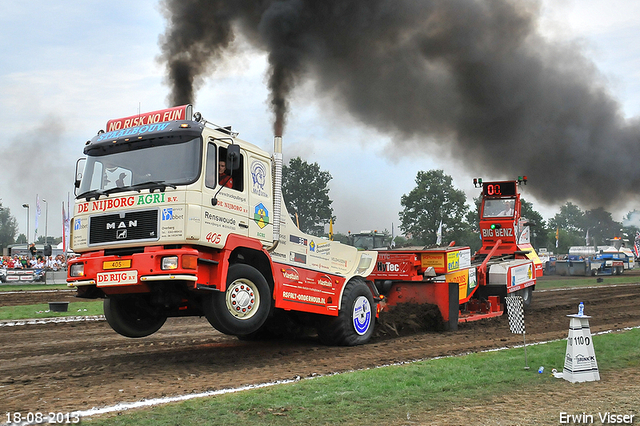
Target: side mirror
x=233 y=157
x=79 y=170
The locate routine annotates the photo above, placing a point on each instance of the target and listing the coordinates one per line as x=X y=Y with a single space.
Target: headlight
x=364 y=263
x=170 y=262
x=76 y=270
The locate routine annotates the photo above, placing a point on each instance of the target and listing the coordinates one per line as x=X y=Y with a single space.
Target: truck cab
x=507 y=255
x=175 y=216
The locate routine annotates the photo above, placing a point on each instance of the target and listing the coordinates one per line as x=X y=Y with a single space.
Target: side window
x=98 y=177
x=233 y=180
x=211 y=166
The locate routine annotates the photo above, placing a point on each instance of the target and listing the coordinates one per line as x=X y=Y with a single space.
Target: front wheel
x=244 y=307
x=355 y=322
x=133 y=316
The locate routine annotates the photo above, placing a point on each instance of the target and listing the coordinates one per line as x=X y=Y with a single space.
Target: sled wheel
x=527 y=296
x=356 y=320
x=133 y=316
x=243 y=308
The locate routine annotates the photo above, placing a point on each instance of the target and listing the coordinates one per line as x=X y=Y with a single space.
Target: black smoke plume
x=475 y=76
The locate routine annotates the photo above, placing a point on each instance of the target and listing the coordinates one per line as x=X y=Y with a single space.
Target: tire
x=244 y=307
x=133 y=316
x=527 y=296
x=355 y=322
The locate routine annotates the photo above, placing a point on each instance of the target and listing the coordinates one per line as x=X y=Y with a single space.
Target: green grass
x=42 y=310
x=33 y=287
x=386 y=395
x=546 y=283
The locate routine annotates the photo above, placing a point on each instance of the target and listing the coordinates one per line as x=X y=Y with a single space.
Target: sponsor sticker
x=298 y=240
x=261 y=215
x=258 y=178
x=119 y=277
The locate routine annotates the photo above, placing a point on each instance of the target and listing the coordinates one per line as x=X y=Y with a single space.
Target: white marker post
x=580 y=363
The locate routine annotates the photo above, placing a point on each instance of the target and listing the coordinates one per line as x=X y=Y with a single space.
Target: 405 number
x=214 y=237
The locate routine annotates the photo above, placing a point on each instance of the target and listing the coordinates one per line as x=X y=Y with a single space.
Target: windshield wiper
x=91 y=194
x=151 y=185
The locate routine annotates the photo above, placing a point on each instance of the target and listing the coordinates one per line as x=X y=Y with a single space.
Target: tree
x=602 y=228
x=631 y=227
x=566 y=239
x=432 y=201
x=569 y=223
x=536 y=222
x=305 y=191
x=570 y=218
x=50 y=239
x=8 y=227
x=340 y=237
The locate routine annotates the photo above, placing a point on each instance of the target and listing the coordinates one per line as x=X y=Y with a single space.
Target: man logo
x=121 y=234
x=123 y=224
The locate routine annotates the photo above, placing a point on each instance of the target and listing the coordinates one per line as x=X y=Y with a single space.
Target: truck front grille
x=120 y=227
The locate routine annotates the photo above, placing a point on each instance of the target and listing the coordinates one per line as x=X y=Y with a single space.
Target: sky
x=69 y=66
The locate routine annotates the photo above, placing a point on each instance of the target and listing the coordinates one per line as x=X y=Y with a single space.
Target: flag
x=587 y=238
x=66 y=221
x=38 y=211
x=439 y=234
x=393 y=237
x=557 y=236
x=331 y=229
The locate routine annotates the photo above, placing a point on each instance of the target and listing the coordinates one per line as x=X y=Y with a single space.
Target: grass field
x=554 y=281
x=42 y=311
x=405 y=394
x=32 y=287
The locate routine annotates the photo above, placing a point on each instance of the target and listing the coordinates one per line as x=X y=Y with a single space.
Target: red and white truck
x=160 y=236
x=175 y=216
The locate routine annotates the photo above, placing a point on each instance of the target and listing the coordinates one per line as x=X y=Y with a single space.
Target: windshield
x=499 y=207
x=164 y=165
x=368 y=242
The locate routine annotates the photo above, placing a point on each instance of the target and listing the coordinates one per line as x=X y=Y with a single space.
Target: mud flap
x=454 y=308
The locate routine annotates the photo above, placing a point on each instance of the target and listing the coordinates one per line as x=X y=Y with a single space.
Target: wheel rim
x=243 y=299
x=361 y=315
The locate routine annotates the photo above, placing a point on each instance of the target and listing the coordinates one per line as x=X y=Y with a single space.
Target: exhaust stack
x=277 y=187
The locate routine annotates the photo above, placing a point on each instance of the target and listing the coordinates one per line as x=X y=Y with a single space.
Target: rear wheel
x=133 y=316
x=355 y=322
x=243 y=308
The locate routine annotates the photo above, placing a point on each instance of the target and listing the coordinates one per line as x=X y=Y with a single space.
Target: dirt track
x=76 y=366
